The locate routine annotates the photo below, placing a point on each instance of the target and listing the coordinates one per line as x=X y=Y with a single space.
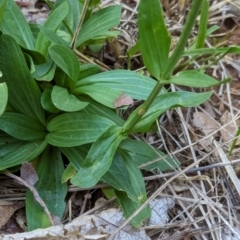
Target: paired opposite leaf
x=154 y=38
x=73 y=129
x=99 y=158
x=192 y=78
x=65 y=101
x=165 y=102
x=3 y=97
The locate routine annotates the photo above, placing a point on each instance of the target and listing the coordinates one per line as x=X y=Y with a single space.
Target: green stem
x=136 y=116
x=177 y=54
x=131 y=122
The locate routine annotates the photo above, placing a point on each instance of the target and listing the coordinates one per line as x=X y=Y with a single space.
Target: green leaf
x=154 y=38
x=6 y=138
x=99 y=158
x=120 y=81
x=53 y=37
x=50 y=188
x=117 y=176
x=14 y=24
x=202 y=32
x=52 y=23
x=46 y=101
x=65 y=101
x=2 y=9
x=45 y=71
x=22 y=127
x=25 y=151
x=76 y=155
x=103 y=112
x=138 y=186
x=101 y=94
x=192 y=78
x=101 y=21
x=3 y=97
x=24 y=94
x=165 y=102
x=141 y=153
x=68 y=173
x=73 y=16
x=66 y=60
x=73 y=129
x=87 y=70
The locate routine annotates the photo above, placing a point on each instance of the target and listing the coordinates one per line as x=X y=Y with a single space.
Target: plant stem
x=172 y=62
x=84 y=11
x=143 y=108
x=177 y=54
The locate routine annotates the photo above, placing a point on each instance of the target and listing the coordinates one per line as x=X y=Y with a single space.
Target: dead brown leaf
x=7 y=209
x=123 y=100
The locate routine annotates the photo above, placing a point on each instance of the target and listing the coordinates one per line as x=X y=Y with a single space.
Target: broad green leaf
x=6 y=138
x=14 y=24
x=73 y=16
x=192 y=78
x=2 y=9
x=65 y=101
x=25 y=151
x=66 y=60
x=52 y=23
x=142 y=154
x=68 y=173
x=73 y=129
x=117 y=176
x=101 y=21
x=154 y=38
x=22 y=127
x=76 y=155
x=130 y=83
x=45 y=71
x=138 y=186
x=165 y=102
x=128 y=206
x=50 y=188
x=23 y=92
x=95 y=108
x=46 y=101
x=101 y=94
x=3 y=97
x=53 y=37
x=87 y=70
x=99 y=158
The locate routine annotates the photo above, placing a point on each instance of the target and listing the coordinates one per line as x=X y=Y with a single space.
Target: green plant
x=60 y=111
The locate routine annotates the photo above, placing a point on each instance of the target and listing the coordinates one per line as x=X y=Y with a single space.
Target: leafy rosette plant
x=56 y=111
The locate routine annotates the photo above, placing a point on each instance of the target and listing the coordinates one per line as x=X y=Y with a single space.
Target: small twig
x=80 y=23
x=86 y=198
x=35 y=194
x=88 y=60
